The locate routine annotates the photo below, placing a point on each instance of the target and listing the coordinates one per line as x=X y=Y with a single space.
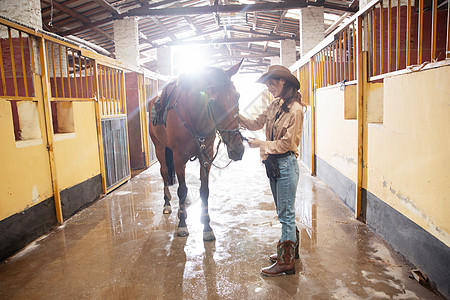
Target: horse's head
x=223 y=108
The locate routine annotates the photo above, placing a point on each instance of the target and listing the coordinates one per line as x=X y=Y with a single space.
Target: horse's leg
x=208 y=234
x=161 y=155
x=182 y=193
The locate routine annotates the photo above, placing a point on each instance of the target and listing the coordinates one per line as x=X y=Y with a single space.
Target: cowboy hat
x=277 y=71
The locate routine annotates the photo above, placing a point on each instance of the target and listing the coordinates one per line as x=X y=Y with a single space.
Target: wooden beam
x=106 y=5
x=250 y=56
x=280 y=21
x=164 y=28
x=253 y=32
x=231 y=8
x=225 y=41
x=84 y=20
x=336 y=23
x=190 y=22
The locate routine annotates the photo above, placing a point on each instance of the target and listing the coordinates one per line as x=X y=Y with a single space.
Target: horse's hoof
x=182 y=231
x=208 y=236
x=167 y=209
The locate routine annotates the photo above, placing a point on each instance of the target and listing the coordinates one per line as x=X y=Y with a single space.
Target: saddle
x=161 y=105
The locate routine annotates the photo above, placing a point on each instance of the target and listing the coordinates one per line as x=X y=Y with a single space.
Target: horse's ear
x=234 y=69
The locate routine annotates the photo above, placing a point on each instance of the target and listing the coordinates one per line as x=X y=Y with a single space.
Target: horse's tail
x=170 y=166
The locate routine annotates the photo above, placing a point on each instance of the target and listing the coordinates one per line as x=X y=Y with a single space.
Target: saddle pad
x=155 y=117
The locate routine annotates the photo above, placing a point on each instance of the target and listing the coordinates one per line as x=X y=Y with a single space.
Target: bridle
x=210 y=108
x=200 y=140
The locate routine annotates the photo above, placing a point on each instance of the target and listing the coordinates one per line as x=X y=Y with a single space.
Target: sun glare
x=188 y=59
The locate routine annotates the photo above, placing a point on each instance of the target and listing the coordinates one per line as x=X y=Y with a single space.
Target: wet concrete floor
x=123 y=247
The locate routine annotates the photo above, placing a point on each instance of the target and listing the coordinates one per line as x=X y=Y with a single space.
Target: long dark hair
x=289 y=94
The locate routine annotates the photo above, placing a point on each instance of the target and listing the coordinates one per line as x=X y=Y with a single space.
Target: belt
x=282 y=154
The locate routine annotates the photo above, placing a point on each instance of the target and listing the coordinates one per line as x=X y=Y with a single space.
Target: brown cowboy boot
x=285 y=262
x=273 y=257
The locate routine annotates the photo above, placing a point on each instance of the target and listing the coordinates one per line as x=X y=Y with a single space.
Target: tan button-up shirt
x=283 y=134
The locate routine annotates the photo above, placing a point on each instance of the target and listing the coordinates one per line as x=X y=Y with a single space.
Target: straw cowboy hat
x=277 y=71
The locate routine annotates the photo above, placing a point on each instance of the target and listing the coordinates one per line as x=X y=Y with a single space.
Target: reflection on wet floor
x=123 y=247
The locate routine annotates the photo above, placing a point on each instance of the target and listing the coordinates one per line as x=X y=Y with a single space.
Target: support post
x=49 y=128
x=360 y=207
x=312 y=101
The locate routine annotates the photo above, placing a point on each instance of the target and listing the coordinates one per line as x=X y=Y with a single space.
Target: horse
x=197 y=108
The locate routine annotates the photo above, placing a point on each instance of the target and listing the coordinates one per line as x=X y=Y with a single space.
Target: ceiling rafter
x=164 y=28
x=84 y=20
x=225 y=41
x=106 y=5
x=277 y=27
x=190 y=22
x=232 y=8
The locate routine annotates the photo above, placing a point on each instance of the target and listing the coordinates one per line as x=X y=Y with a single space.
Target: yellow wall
x=409 y=154
x=25 y=178
x=25 y=171
x=337 y=140
x=76 y=155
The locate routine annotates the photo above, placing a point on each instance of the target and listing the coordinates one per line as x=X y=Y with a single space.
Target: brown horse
x=198 y=106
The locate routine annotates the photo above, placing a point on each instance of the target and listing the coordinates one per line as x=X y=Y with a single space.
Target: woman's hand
x=253 y=143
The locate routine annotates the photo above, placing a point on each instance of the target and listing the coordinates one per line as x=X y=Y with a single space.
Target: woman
x=283 y=120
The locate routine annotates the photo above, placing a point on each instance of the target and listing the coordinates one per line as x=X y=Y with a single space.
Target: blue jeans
x=283 y=192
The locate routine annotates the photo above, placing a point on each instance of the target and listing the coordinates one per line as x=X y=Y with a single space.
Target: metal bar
x=397 y=39
x=341 y=65
x=61 y=70
x=54 y=71
x=329 y=65
x=86 y=77
x=333 y=63
x=344 y=46
x=24 y=73
x=123 y=99
x=324 y=66
x=98 y=72
x=91 y=70
x=322 y=62
x=114 y=91
x=338 y=59
x=13 y=65
x=81 y=76
x=49 y=129
x=74 y=74
x=408 y=33
x=433 y=30
x=389 y=34
x=108 y=103
x=349 y=46
x=381 y=38
x=374 y=44
x=108 y=76
x=420 y=33
x=354 y=50
x=68 y=71
x=322 y=69
x=118 y=91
